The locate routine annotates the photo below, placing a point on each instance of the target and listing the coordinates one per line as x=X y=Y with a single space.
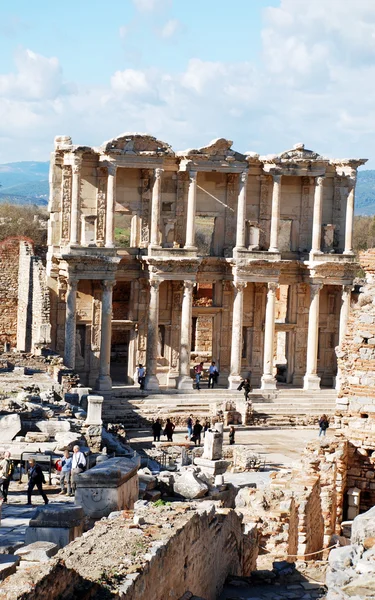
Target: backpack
x=10 y=470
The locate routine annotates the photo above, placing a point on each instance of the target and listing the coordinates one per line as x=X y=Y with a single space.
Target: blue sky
x=264 y=73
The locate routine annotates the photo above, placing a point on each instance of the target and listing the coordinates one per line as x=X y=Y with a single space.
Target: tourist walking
x=141 y=375
x=6 y=472
x=231 y=435
x=323 y=425
x=206 y=427
x=156 y=430
x=246 y=387
x=66 y=473
x=213 y=374
x=169 y=429
x=197 y=432
x=36 y=479
x=189 y=425
x=198 y=370
x=78 y=466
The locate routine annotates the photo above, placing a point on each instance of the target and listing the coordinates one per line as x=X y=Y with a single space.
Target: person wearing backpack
x=36 y=478
x=6 y=473
x=78 y=465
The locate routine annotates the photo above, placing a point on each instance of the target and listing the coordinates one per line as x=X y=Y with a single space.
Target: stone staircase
x=281 y=408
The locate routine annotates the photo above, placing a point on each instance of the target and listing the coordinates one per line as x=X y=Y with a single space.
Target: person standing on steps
x=141 y=375
x=169 y=429
x=36 y=478
x=198 y=370
x=156 y=430
x=189 y=424
x=197 y=432
x=246 y=387
x=231 y=435
x=213 y=375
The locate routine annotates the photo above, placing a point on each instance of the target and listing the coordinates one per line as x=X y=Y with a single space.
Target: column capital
x=188 y=284
x=154 y=283
x=276 y=177
x=272 y=286
x=107 y=284
x=347 y=289
x=352 y=179
x=193 y=174
x=110 y=166
x=239 y=285
x=76 y=164
x=315 y=288
x=243 y=176
x=158 y=172
x=319 y=181
x=72 y=283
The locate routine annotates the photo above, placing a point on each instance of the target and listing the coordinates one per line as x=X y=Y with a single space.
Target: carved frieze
x=101 y=191
x=146 y=176
x=264 y=211
x=66 y=202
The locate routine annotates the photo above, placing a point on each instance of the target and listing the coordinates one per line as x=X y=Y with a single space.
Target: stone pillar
x=349 y=218
x=191 y=204
x=70 y=324
x=344 y=312
x=104 y=381
x=236 y=347
x=76 y=191
x=268 y=379
x=311 y=381
x=241 y=212
x=110 y=207
x=185 y=382
x=94 y=410
x=317 y=216
x=151 y=382
x=155 y=209
x=275 y=214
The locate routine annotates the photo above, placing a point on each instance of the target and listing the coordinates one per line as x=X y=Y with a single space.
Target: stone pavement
x=242 y=590
x=15 y=515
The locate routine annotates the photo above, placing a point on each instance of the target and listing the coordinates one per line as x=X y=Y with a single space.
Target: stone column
x=191 y=204
x=317 y=216
x=241 y=212
x=185 y=382
x=70 y=324
x=76 y=191
x=104 y=381
x=151 y=382
x=349 y=218
x=110 y=207
x=344 y=312
x=155 y=209
x=311 y=381
x=275 y=214
x=236 y=347
x=268 y=379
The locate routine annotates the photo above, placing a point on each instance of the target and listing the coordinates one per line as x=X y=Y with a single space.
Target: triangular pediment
x=137 y=144
x=218 y=149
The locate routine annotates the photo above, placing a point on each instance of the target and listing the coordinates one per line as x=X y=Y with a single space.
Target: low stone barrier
x=107 y=487
x=55 y=523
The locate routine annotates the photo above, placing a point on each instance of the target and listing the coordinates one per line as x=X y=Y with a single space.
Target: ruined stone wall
x=178 y=549
x=9 y=255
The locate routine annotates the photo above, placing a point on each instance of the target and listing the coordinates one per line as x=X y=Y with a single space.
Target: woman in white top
x=78 y=466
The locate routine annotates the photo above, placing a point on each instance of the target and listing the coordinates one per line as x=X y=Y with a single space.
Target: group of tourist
x=194 y=430
x=157 y=429
x=68 y=466
x=213 y=374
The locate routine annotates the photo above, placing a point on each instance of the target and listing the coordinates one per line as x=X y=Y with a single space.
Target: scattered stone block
x=38 y=551
x=55 y=523
x=188 y=486
x=10 y=426
x=66 y=440
x=109 y=486
x=212 y=467
x=53 y=426
x=139 y=520
x=8 y=565
x=94 y=410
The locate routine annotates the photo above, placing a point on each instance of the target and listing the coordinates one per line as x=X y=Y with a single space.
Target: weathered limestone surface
x=205 y=545
x=57 y=524
x=107 y=487
x=10 y=425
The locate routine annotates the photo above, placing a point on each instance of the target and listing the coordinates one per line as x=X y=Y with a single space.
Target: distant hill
x=24 y=183
x=27 y=183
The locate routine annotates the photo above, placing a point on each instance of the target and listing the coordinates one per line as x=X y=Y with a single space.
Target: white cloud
x=316 y=83
x=149 y=6
x=171 y=28
x=123 y=31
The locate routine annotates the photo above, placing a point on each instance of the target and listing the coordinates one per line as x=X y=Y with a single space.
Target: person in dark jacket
x=169 y=429
x=231 y=435
x=246 y=387
x=36 y=478
x=156 y=430
x=323 y=425
x=197 y=432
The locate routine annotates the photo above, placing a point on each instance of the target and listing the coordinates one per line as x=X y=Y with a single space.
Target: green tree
x=24 y=221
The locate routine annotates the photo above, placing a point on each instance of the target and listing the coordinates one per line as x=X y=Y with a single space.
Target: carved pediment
x=296 y=154
x=137 y=144
x=219 y=149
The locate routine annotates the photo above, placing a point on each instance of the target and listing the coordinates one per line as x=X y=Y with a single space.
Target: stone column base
x=103 y=383
x=151 y=382
x=234 y=381
x=268 y=382
x=311 y=382
x=184 y=383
